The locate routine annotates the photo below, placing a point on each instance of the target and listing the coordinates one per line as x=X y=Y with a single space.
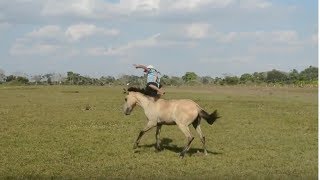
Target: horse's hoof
x=135 y=146
x=158 y=148
x=181 y=155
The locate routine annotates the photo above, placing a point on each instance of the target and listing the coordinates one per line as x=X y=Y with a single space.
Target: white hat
x=150 y=67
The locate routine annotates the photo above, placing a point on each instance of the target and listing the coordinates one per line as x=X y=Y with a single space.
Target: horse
x=180 y=112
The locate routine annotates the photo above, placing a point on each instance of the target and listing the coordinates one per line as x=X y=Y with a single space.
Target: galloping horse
x=160 y=112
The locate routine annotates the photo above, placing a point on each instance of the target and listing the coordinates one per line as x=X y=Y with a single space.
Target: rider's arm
x=140 y=66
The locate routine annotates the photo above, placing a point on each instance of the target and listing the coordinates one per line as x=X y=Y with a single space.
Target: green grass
x=81 y=132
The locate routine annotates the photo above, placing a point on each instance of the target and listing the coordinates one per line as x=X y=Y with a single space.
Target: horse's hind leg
x=158 y=137
x=196 y=125
x=186 y=132
x=149 y=126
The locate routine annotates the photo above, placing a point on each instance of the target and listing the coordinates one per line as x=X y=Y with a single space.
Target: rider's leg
x=156 y=89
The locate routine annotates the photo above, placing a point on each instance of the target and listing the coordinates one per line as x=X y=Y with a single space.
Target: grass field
x=81 y=132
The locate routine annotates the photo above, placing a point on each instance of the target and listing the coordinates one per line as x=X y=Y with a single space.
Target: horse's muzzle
x=127 y=111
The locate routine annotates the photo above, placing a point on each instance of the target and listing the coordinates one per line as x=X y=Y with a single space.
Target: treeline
x=308 y=76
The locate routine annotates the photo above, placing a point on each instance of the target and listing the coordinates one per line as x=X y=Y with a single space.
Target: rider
x=153 y=87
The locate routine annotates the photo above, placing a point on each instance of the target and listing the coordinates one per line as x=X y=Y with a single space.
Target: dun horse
x=160 y=112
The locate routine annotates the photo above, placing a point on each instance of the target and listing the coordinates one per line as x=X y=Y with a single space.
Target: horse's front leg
x=149 y=126
x=158 y=137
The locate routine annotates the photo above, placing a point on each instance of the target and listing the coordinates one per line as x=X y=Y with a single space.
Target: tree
x=70 y=77
x=189 y=76
x=309 y=74
x=231 y=80
x=48 y=78
x=276 y=76
x=176 y=81
x=10 y=78
x=17 y=80
x=131 y=79
x=36 y=78
x=259 y=77
x=165 y=80
x=22 y=80
x=58 y=78
x=73 y=78
x=218 y=81
x=2 y=76
x=134 y=80
x=206 y=80
x=122 y=80
x=245 y=78
x=293 y=76
x=107 y=80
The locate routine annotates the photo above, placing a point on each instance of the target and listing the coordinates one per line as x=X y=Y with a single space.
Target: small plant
x=87 y=107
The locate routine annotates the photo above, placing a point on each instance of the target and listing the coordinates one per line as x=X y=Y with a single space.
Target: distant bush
x=17 y=80
x=232 y=80
x=307 y=77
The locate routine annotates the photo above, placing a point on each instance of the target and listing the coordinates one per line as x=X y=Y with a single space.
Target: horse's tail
x=211 y=118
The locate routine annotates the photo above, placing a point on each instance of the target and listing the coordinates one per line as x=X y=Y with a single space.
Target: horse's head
x=133 y=97
x=130 y=103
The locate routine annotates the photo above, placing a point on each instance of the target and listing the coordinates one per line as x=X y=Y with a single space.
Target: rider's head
x=150 y=67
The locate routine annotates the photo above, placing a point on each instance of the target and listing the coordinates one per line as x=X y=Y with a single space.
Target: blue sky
x=209 y=37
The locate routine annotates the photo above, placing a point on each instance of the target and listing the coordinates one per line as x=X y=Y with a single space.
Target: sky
x=208 y=37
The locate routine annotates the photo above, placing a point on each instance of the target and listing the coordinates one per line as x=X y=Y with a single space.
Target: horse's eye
x=125 y=99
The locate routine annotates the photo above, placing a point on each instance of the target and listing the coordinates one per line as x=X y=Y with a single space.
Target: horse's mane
x=135 y=89
x=142 y=91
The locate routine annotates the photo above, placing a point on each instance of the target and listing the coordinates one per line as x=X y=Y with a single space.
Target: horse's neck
x=144 y=101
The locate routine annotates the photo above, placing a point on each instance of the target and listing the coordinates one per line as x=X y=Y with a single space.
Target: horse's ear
x=125 y=91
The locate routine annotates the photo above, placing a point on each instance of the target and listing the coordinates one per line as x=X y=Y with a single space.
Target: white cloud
x=76 y=7
x=122 y=50
x=226 y=37
x=283 y=36
x=39 y=49
x=50 y=31
x=197 y=30
x=187 y=5
x=203 y=30
x=79 y=31
x=261 y=42
x=274 y=49
x=314 y=39
x=73 y=32
x=4 y=25
x=240 y=60
x=264 y=37
x=139 y=5
x=289 y=39
x=255 y=4
x=103 y=9
x=38 y=11
x=52 y=38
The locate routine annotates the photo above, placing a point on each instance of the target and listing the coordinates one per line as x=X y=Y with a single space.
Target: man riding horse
x=153 y=87
x=180 y=112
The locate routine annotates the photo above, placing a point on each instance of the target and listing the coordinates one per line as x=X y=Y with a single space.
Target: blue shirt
x=152 y=75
